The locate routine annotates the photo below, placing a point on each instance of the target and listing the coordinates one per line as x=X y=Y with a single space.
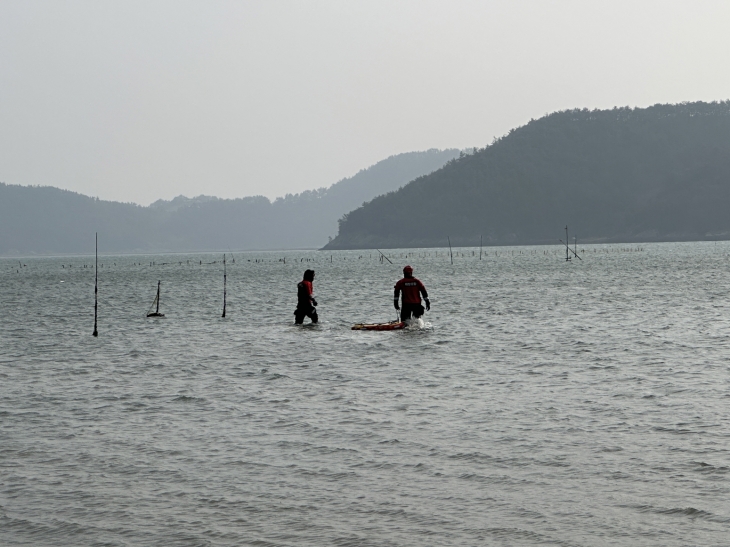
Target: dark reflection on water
x=544 y=403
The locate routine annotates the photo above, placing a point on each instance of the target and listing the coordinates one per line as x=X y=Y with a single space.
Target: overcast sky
x=136 y=101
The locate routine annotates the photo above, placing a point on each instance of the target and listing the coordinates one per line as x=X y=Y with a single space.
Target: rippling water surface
x=544 y=403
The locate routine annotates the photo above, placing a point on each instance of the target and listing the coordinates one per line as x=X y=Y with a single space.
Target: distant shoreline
x=581 y=245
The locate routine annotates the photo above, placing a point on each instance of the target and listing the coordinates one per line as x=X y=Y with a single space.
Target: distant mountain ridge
x=644 y=174
x=47 y=220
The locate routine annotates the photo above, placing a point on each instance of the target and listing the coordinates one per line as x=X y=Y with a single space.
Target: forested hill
x=645 y=174
x=47 y=220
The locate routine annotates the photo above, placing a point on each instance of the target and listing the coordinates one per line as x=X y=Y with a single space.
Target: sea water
x=544 y=402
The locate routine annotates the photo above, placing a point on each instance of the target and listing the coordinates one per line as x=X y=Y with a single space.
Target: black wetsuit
x=304 y=303
x=406 y=310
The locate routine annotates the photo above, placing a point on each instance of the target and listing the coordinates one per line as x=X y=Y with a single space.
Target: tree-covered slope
x=658 y=173
x=48 y=220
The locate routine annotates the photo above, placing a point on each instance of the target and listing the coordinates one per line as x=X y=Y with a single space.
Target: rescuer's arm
x=422 y=288
x=396 y=294
x=311 y=295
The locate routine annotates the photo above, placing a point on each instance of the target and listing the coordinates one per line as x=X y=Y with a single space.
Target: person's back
x=411 y=288
x=305 y=299
x=304 y=292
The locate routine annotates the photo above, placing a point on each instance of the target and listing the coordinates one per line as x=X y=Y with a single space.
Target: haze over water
x=545 y=403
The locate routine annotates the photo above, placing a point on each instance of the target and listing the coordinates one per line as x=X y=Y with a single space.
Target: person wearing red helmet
x=412 y=290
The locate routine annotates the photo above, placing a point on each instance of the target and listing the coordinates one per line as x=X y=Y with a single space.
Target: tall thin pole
x=382 y=256
x=480 y=247
x=224 y=286
x=450 y=253
x=96 y=284
x=567 y=244
x=158 y=297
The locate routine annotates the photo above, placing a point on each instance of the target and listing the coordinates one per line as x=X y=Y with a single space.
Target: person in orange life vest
x=412 y=290
x=305 y=299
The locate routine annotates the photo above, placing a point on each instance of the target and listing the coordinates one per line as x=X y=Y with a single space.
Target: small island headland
x=622 y=175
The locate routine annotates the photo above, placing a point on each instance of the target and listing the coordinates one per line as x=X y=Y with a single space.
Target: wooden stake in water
x=156 y=304
x=224 y=286
x=451 y=254
x=96 y=284
x=575 y=252
x=568 y=250
x=382 y=255
x=157 y=298
x=480 y=247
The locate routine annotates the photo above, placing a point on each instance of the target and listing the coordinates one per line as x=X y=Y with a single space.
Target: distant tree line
x=47 y=220
x=627 y=174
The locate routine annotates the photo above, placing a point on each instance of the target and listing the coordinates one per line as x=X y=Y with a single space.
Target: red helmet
x=408 y=270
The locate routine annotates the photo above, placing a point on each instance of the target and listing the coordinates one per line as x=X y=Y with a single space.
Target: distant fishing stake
x=224 y=286
x=567 y=247
x=96 y=283
x=156 y=301
x=382 y=255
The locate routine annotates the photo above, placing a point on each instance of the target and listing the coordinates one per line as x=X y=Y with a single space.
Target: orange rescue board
x=393 y=325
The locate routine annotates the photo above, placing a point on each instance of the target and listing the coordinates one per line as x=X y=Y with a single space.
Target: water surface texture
x=544 y=402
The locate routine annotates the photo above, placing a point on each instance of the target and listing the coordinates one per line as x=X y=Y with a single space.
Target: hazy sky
x=136 y=101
